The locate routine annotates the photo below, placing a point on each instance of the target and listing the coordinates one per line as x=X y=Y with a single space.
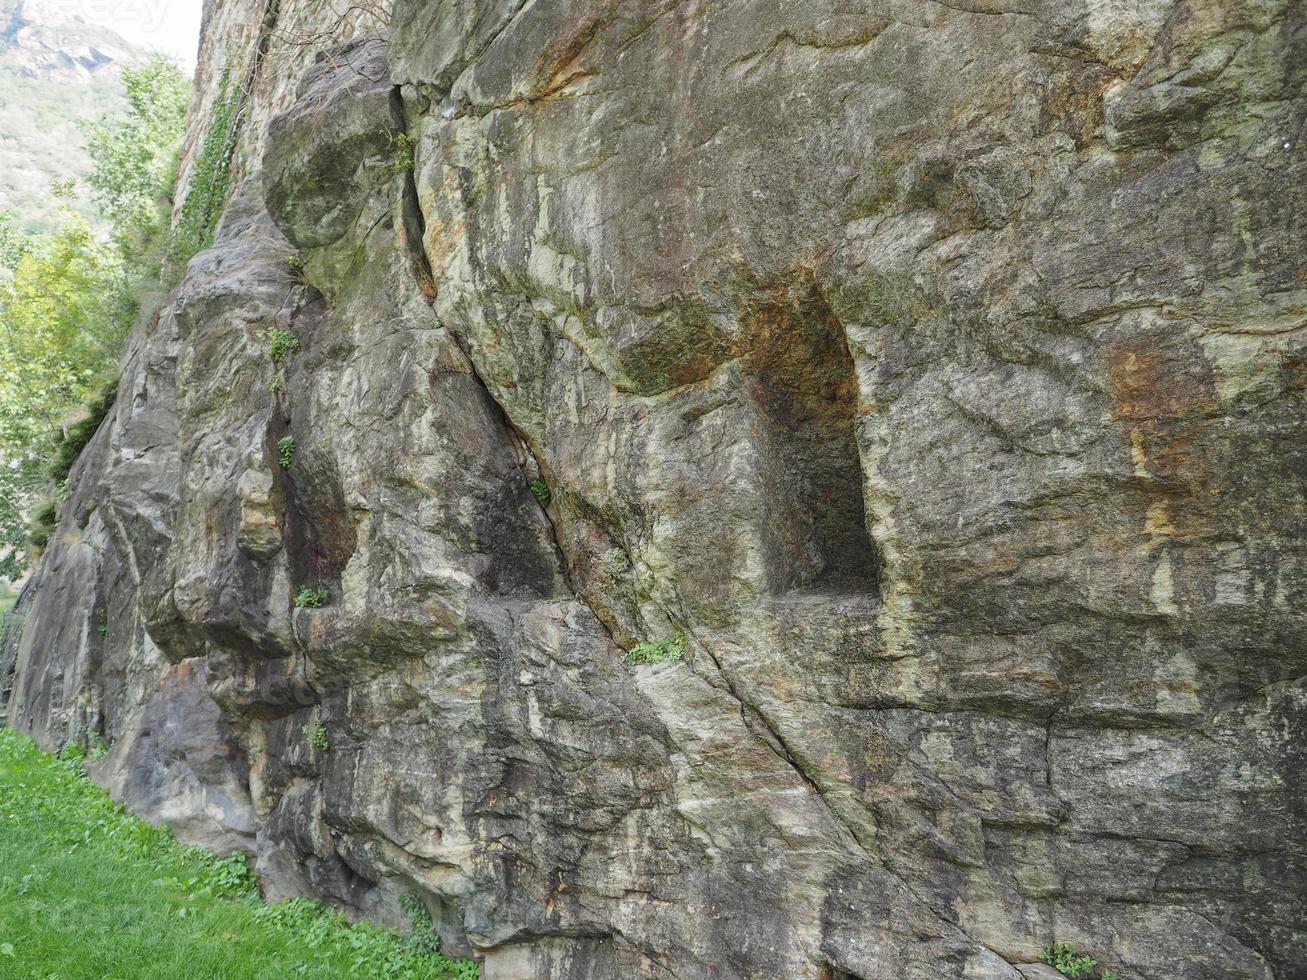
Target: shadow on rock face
x=801 y=378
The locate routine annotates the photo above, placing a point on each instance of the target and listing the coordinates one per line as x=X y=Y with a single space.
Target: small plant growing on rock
x=1066 y=960
x=541 y=490
x=668 y=650
x=286 y=451
x=405 y=148
x=281 y=344
x=307 y=598
x=296 y=265
x=276 y=384
x=316 y=733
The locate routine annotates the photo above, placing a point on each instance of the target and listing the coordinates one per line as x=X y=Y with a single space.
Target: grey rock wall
x=936 y=371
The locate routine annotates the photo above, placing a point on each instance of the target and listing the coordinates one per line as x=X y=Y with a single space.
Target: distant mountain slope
x=56 y=71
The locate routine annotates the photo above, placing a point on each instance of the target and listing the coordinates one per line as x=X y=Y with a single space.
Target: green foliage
x=87 y=890
x=69 y=297
x=80 y=433
x=210 y=178
x=541 y=490
x=668 y=650
x=281 y=343
x=316 y=734
x=84 y=748
x=307 y=598
x=136 y=155
x=276 y=384
x=286 y=454
x=422 y=931
x=13 y=246
x=405 y=149
x=1064 y=958
x=62 y=323
x=44 y=522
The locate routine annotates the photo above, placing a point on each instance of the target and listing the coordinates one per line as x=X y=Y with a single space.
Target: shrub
x=281 y=344
x=70 y=294
x=541 y=490
x=1064 y=958
x=286 y=451
x=405 y=148
x=298 y=274
x=307 y=598
x=316 y=733
x=668 y=650
x=135 y=154
x=81 y=433
x=44 y=522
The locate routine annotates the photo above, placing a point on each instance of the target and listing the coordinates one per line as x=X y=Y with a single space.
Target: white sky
x=171 y=26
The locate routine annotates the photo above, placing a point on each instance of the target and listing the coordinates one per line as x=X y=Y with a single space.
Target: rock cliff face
x=936 y=370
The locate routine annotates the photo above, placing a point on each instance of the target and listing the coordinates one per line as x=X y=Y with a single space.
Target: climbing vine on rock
x=210 y=180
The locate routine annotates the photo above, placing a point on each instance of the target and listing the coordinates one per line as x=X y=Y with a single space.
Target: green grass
x=88 y=892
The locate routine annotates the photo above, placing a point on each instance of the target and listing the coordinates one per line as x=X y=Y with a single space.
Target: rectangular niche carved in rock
x=805 y=390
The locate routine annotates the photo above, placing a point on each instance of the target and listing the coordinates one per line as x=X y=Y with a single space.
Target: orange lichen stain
x=1036 y=678
x=441 y=237
x=1161 y=527
x=1167 y=395
x=1149 y=382
x=1073 y=99
x=442 y=241
x=1174 y=456
x=1294 y=372
x=1157 y=523
x=180 y=674
x=559 y=65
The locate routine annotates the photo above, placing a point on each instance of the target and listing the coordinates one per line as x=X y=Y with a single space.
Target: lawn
x=88 y=892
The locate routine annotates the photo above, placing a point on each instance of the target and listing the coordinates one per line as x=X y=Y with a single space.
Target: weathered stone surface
x=935 y=370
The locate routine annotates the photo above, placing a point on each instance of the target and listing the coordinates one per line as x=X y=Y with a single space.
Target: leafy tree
x=68 y=298
x=136 y=155
x=12 y=245
x=61 y=328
